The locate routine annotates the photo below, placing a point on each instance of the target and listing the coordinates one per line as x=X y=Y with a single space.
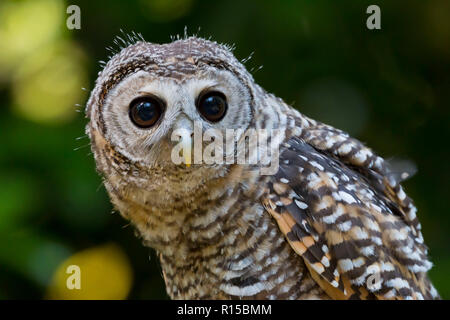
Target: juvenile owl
x=331 y=221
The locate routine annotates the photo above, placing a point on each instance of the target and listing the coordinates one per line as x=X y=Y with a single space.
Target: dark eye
x=212 y=105
x=145 y=111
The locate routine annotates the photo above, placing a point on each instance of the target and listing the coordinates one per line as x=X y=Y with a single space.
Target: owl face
x=143 y=111
x=169 y=89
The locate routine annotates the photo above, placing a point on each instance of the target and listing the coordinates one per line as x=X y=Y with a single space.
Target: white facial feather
x=180 y=102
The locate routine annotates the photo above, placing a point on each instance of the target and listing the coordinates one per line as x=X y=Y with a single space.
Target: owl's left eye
x=212 y=105
x=146 y=111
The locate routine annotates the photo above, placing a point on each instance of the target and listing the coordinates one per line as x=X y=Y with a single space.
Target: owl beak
x=184 y=132
x=186 y=142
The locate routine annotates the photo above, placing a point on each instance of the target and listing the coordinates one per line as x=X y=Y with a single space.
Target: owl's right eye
x=146 y=111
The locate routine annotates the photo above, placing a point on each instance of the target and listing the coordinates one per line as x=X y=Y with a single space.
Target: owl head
x=147 y=92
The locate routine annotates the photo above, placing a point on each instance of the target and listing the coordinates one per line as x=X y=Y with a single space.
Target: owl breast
x=221 y=231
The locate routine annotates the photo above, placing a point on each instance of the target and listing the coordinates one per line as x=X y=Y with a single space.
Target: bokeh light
x=47 y=86
x=26 y=26
x=105 y=273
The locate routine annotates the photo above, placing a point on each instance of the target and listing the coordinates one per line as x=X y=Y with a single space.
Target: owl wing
x=348 y=218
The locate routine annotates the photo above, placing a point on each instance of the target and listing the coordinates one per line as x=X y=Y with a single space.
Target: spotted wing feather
x=352 y=227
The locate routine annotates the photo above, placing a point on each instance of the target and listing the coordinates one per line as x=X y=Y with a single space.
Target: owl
x=331 y=222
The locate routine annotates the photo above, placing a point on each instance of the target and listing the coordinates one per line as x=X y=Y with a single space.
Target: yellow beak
x=186 y=142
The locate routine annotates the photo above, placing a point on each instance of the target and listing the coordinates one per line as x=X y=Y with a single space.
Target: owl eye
x=145 y=111
x=212 y=105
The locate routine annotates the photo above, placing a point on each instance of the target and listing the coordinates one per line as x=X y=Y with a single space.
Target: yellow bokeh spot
x=48 y=84
x=25 y=26
x=104 y=273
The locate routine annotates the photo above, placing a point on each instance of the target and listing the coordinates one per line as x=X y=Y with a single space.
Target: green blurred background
x=390 y=88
